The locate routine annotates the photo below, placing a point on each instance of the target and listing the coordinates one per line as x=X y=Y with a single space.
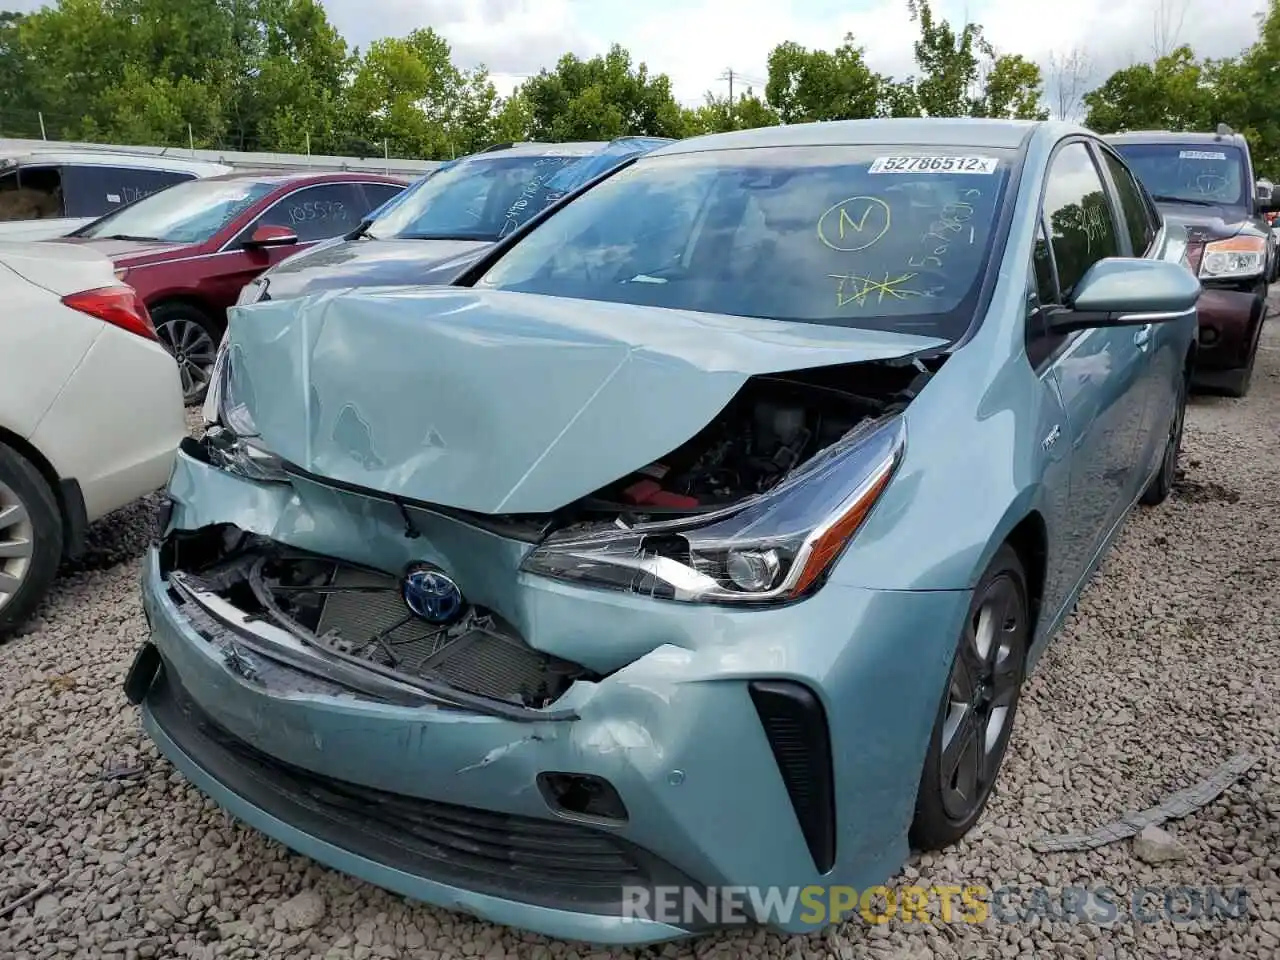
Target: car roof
x=104 y=158
x=1172 y=136
x=924 y=132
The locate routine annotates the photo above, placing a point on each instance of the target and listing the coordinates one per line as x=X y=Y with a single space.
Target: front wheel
x=192 y=337
x=30 y=538
x=974 y=721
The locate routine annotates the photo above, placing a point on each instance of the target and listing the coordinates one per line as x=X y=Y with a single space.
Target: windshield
x=875 y=237
x=484 y=197
x=190 y=212
x=1194 y=173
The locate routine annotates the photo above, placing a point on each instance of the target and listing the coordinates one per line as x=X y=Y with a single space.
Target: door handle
x=1142 y=339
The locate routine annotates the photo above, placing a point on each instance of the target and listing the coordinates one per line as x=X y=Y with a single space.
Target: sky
x=695 y=42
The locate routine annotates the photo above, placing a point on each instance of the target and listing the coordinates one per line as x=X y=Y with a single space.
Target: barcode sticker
x=1201 y=155
x=934 y=165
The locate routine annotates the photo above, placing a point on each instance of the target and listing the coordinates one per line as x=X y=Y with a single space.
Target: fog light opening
x=582 y=795
x=1208 y=336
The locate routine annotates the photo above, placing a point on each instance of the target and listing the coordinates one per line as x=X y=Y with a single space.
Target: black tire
x=1236 y=383
x=192 y=336
x=1161 y=484
x=29 y=518
x=959 y=772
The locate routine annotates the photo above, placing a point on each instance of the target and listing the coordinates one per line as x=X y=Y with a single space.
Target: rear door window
x=31 y=193
x=94 y=191
x=1137 y=218
x=376 y=194
x=322 y=212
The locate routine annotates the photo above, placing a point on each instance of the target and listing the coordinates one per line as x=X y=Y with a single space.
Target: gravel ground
x=1167 y=668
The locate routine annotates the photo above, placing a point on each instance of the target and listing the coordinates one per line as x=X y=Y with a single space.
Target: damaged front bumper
x=697 y=746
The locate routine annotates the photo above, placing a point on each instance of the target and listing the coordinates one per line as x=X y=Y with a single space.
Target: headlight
x=1236 y=257
x=229 y=438
x=254 y=291
x=771 y=548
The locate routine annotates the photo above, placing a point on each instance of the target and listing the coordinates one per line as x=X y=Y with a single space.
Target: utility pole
x=728 y=75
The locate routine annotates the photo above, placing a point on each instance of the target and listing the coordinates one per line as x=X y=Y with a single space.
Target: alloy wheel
x=982 y=693
x=16 y=543
x=194 y=350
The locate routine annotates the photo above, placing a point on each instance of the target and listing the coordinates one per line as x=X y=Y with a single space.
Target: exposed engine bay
x=365 y=618
x=360 y=616
x=773 y=425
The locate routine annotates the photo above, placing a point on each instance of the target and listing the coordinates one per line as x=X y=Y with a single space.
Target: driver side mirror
x=269 y=235
x=1124 y=292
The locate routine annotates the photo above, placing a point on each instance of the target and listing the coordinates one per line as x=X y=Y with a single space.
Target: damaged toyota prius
x=700 y=537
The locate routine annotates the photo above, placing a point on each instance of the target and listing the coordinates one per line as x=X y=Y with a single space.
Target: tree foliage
x=276 y=75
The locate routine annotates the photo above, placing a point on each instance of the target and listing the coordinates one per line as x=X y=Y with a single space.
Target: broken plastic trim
x=801 y=526
x=353 y=672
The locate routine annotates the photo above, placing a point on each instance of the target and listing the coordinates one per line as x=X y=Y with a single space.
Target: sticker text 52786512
x=980 y=165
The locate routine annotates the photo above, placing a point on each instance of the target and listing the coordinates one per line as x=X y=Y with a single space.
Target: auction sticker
x=1201 y=155
x=933 y=165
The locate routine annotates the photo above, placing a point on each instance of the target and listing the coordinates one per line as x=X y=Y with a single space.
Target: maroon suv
x=1203 y=184
x=189 y=249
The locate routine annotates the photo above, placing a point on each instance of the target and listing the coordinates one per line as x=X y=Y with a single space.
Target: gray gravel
x=1167 y=668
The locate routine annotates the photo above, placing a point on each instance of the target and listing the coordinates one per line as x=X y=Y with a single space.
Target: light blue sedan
x=700 y=537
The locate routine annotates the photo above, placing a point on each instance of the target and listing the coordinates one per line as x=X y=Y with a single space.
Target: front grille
x=796 y=726
x=547 y=862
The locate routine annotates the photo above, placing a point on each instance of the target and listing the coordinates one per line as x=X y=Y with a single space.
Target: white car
x=48 y=193
x=90 y=410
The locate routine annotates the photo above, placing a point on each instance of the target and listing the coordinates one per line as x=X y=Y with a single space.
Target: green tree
x=718 y=114
x=599 y=99
x=1011 y=88
x=808 y=85
x=1243 y=89
x=949 y=61
x=407 y=94
x=1173 y=93
x=962 y=75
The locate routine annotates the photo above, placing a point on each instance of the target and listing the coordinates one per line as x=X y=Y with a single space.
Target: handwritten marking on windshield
x=856 y=215
x=858 y=290
x=951 y=222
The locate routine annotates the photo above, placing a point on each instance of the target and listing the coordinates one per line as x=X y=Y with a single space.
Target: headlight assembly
x=771 y=548
x=255 y=291
x=229 y=439
x=1235 y=258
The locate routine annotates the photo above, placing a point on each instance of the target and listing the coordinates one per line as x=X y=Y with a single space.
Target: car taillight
x=118 y=306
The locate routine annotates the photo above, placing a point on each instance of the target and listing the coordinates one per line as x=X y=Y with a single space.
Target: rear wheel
x=191 y=335
x=30 y=538
x=1162 y=484
x=974 y=721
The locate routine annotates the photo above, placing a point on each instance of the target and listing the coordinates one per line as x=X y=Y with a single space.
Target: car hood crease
x=504 y=403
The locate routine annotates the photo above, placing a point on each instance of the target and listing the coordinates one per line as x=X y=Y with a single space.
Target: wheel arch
x=66 y=492
x=188 y=299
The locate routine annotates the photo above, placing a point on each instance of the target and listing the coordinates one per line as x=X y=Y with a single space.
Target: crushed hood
x=499 y=402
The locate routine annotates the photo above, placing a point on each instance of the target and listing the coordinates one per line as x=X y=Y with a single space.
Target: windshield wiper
x=1194 y=201
x=129 y=236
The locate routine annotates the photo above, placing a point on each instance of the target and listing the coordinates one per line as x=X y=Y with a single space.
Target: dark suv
x=1205 y=182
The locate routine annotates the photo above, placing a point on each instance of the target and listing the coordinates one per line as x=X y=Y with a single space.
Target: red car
x=189 y=249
